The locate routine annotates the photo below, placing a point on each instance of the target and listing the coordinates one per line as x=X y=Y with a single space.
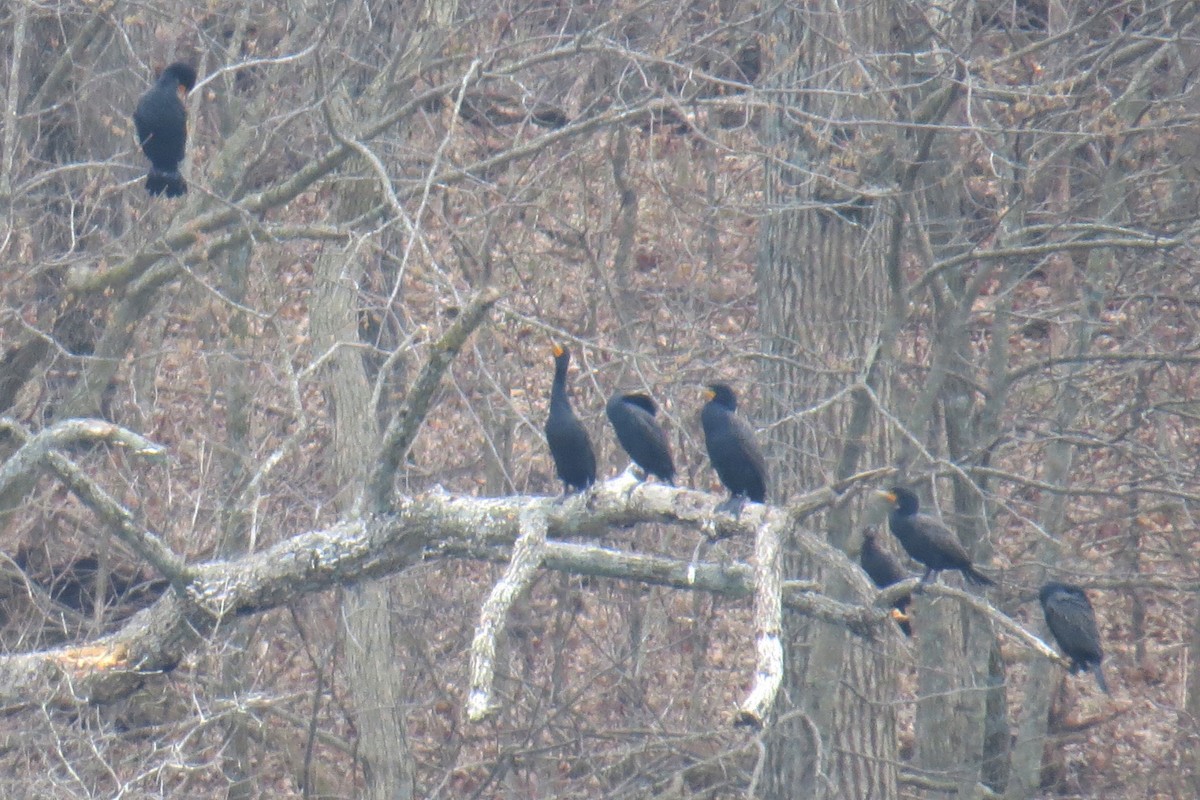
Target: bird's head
x=722 y=395
x=642 y=401
x=1054 y=588
x=183 y=74
x=901 y=499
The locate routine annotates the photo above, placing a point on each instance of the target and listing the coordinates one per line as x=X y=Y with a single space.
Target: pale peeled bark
x=528 y=552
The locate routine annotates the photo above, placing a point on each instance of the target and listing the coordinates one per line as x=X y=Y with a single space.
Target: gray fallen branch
x=980 y=605
x=421 y=528
x=34 y=447
x=768 y=626
x=734 y=580
x=526 y=558
x=41 y=451
x=428 y=527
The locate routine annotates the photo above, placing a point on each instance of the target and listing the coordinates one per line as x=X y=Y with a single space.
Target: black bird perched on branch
x=1073 y=623
x=732 y=449
x=161 y=122
x=632 y=417
x=884 y=569
x=927 y=540
x=574 y=459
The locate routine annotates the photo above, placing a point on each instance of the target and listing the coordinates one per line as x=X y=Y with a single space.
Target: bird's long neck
x=558 y=392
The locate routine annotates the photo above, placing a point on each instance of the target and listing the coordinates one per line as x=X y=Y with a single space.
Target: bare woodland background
x=953 y=238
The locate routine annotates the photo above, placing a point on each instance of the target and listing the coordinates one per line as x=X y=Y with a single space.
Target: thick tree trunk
x=823 y=299
x=372 y=672
x=235 y=528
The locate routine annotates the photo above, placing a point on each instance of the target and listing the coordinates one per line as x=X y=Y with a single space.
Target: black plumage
x=161 y=122
x=632 y=417
x=884 y=569
x=732 y=448
x=574 y=459
x=1073 y=623
x=927 y=540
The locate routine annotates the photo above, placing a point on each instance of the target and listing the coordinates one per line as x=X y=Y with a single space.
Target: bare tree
x=274 y=491
x=827 y=254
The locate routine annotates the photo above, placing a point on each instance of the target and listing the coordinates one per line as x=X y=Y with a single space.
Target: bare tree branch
x=37 y=450
x=526 y=558
x=34 y=448
x=403 y=427
x=445 y=526
x=768 y=627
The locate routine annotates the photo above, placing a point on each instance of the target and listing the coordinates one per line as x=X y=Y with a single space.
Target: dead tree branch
x=402 y=429
x=439 y=526
x=526 y=558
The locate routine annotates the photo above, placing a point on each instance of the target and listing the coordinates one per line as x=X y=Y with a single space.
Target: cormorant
x=927 y=540
x=574 y=459
x=884 y=569
x=632 y=417
x=733 y=449
x=1073 y=623
x=161 y=122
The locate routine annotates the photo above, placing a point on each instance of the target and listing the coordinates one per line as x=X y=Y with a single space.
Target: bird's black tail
x=171 y=184
x=975 y=576
x=1103 y=684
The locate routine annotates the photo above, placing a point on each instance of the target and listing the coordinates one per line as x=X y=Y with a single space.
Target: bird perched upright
x=1073 y=623
x=927 y=540
x=884 y=569
x=632 y=417
x=161 y=122
x=574 y=459
x=732 y=449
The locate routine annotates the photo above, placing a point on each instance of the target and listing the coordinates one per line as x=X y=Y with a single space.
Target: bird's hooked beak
x=557 y=349
x=886 y=495
x=709 y=394
x=182 y=92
